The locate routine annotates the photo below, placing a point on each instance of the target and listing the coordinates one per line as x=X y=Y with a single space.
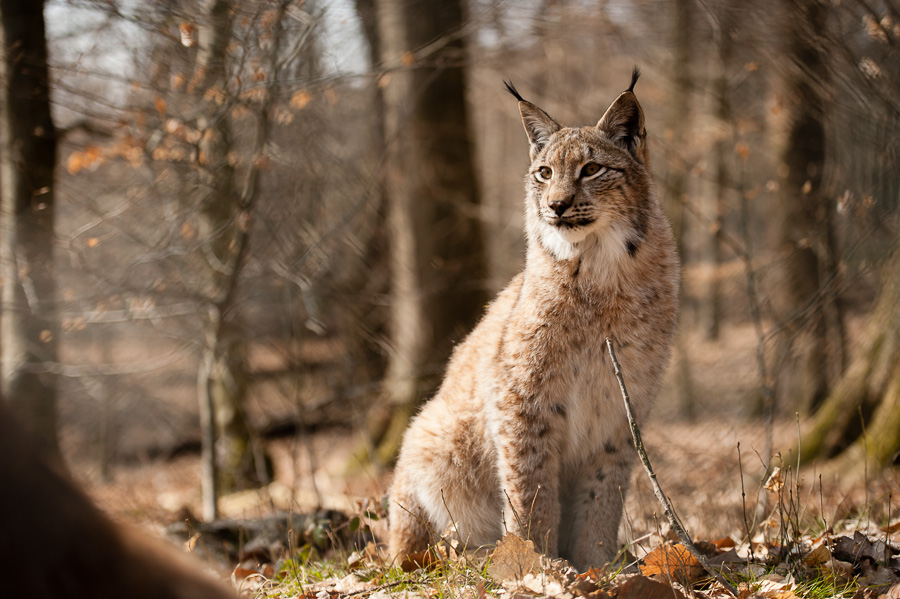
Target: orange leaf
x=640 y=587
x=187 y=231
x=74 y=163
x=724 y=543
x=300 y=99
x=672 y=562
x=241 y=573
x=593 y=574
x=187 y=34
x=215 y=94
x=91 y=156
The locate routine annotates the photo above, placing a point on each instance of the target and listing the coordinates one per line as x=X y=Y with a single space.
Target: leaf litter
x=850 y=565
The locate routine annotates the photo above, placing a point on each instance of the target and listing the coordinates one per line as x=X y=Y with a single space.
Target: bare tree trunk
x=377 y=256
x=217 y=215
x=711 y=304
x=679 y=121
x=438 y=262
x=869 y=390
x=802 y=291
x=226 y=210
x=30 y=328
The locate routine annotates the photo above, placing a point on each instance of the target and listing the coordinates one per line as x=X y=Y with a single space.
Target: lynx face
x=586 y=181
x=578 y=187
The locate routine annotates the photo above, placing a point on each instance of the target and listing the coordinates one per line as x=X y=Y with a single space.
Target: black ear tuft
x=623 y=122
x=539 y=125
x=512 y=89
x=635 y=73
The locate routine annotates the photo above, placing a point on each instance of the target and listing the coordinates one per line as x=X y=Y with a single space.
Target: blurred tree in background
x=437 y=258
x=29 y=317
x=804 y=229
x=278 y=215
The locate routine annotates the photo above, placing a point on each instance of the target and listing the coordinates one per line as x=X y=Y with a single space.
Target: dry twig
x=657 y=490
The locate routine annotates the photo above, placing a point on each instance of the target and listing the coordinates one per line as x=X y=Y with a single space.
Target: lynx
x=527 y=433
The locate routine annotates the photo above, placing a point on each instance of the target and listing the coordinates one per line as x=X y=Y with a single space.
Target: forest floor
x=716 y=488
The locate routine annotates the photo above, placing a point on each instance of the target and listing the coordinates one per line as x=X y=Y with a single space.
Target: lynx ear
x=623 y=122
x=538 y=124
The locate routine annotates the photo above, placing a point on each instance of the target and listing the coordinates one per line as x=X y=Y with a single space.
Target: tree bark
x=804 y=213
x=711 y=304
x=679 y=118
x=30 y=328
x=370 y=318
x=867 y=398
x=225 y=211
x=438 y=262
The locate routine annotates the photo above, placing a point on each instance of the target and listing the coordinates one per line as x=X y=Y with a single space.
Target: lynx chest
x=557 y=366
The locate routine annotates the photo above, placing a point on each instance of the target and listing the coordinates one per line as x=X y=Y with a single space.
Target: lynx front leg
x=595 y=507
x=528 y=467
x=409 y=526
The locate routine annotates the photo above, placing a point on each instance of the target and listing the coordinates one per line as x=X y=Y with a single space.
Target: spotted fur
x=528 y=433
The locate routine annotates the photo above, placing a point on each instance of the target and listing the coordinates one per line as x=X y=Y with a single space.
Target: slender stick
x=744 y=505
x=657 y=490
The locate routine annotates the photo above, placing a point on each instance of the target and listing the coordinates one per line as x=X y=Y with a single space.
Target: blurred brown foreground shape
x=54 y=543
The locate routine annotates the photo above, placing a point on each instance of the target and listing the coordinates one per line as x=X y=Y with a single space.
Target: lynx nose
x=560 y=206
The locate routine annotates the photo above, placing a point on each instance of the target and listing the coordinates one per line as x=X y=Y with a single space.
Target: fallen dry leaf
x=641 y=587
x=513 y=559
x=593 y=575
x=775 y=482
x=839 y=569
x=414 y=561
x=541 y=584
x=583 y=586
x=876 y=575
x=706 y=548
x=673 y=562
x=240 y=573
x=724 y=543
x=819 y=554
x=854 y=549
x=773 y=584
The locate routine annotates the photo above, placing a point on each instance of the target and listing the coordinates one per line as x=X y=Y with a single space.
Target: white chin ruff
x=562 y=242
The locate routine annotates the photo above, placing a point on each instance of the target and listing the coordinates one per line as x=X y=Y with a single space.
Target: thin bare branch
x=669 y=511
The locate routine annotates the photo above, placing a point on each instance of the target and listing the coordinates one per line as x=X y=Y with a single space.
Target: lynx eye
x=544 y=173
x=590 y=169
